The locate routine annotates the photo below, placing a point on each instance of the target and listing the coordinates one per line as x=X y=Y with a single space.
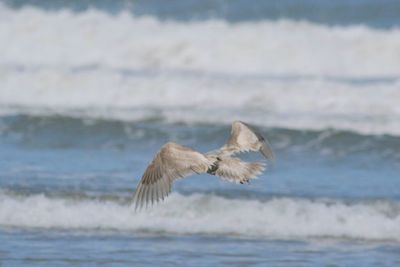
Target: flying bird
x=175 y=161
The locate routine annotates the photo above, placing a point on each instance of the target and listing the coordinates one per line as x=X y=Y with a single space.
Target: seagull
x=175 y=161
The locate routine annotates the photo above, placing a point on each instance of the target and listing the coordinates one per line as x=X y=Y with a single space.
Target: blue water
x=90 y=90
x=380 y=14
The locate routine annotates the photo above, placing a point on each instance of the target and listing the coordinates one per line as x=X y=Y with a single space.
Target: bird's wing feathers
x=234 y=170
x=173 y=161
x=245 y=138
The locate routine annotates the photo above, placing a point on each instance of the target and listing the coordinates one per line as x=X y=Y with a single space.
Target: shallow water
x=331 y=198
x=82 y=115
x=146 y=249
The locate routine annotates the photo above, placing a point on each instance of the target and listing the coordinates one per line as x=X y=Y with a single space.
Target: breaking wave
x=276 y=218
x=95 y=38
x=312 y=105
x=289 y=74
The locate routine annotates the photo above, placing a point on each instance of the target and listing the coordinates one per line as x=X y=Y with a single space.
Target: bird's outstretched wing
x=173 y=161
x=245 y=138
x=235 y=170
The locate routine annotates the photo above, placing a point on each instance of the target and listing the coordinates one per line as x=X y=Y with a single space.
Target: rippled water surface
x=83 y=112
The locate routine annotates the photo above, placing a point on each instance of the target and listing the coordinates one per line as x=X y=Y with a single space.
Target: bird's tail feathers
x=235 y=170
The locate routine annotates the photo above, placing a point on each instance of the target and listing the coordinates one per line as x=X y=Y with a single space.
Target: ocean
x=90 y=90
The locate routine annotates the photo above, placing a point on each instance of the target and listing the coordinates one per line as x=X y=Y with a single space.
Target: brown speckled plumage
x=175 y=161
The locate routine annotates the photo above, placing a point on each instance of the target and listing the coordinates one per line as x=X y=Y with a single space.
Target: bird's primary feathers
x=175 y=161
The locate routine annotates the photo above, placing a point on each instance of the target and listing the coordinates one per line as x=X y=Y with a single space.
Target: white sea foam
x=280 y=218
x=34 y=37
x=270 y=73
x=299 y=103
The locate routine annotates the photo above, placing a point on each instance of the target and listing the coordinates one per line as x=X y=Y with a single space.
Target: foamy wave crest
x=282 y=218
x=94 y=38
x=270 y=73
x=315 y=104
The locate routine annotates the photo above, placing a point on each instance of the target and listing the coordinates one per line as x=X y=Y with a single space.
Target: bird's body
x=175 y=161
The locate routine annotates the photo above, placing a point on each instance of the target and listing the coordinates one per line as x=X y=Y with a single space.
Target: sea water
x=89 y=91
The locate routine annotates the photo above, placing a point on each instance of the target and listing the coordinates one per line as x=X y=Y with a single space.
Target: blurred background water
x=89 y=91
